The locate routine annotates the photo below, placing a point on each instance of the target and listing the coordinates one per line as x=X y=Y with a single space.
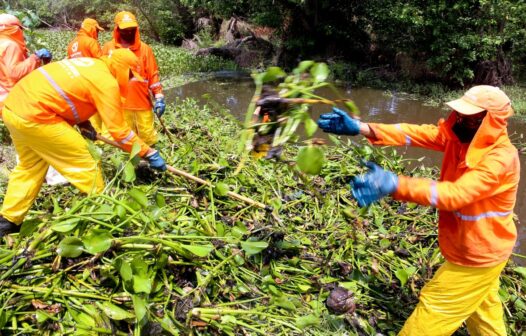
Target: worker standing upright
x=475 y=197
x=15 y=63
x=86 y=44
x=40 y=113
x=138 y=104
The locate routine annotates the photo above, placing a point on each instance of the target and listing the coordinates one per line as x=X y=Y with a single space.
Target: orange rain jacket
x=86 y=43
x=477 y=189
x=14 y=63
x=138 y=97
x=73 y=90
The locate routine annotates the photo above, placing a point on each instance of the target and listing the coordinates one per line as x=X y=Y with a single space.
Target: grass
x=176 y=65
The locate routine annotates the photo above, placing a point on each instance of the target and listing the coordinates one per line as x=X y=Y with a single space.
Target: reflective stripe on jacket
x=477 y=189
x=138 y=97
x=73 y=90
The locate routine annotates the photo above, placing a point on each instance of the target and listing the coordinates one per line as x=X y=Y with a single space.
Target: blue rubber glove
x=159 y=106
x=374 y=185
x=44 y=55
x=338 y=122
x=156 y=161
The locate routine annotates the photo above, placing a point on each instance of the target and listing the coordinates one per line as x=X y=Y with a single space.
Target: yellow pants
x=141 y=122
x=458 y=294
x=96 y=122
x=41 y=145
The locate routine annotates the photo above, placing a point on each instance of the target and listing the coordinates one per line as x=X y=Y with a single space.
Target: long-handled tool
x=165 y=129
x=197 y=179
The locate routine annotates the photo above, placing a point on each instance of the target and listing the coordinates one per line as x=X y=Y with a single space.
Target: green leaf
x=160 y=200
x=139 y=305
x=272 y=74
x=283 y=302
x=70 y=247
x=310 y=127
x=306 y=321
x=129 y=172
x=258 y=78
x=136 y=148
x=97 y=241
x=120 y=211
x=139 y=196
x=139 y=266
x=228 y=319
x=302 y=67
x=95 y=151
x=199 y=250
x=334 y=139
x=310 y=159
x=168 y=325
x=114 y=312
x=142 y=284
x=82 y=318
x=519 y=304
x=221 y=189
x=104 y=212
x=41 y=316
x=125 y=271
x=521 y=271
x=384 y=243
x=253 y=247
x=320 y=72
x=351 y=106
x=404 y=274
x=66 y=225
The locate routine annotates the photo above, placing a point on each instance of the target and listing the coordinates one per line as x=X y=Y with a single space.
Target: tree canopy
x=455 y=42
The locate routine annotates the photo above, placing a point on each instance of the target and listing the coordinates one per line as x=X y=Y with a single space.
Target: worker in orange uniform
x=475 y=196
x=14 y=60
x=138 y=104
x=86 y=44
x=40 y=113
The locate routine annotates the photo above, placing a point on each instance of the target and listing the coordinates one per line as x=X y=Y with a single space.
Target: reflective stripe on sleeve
x=153 y=86
x=434 y=194
x=489 y=214
x=407 y=138
x=128 y=138
x=140 y=81
x=62 y=94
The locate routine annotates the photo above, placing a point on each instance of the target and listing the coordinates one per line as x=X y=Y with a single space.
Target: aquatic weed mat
x=157 y=254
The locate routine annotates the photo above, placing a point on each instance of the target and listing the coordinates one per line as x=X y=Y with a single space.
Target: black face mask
x=127 y=35
x=464 y=133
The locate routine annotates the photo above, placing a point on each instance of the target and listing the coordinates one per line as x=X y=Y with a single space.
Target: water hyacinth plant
x=158 y=254
x=280 y=105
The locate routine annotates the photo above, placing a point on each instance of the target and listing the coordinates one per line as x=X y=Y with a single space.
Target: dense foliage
x=455 y=42
x=157 y=255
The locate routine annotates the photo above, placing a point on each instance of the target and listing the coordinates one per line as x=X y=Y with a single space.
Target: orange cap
x=9 y=20
x=89 y=23
x=481 y=98
x=125 y=20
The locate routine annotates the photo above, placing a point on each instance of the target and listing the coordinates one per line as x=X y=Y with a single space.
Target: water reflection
x=235 y=92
